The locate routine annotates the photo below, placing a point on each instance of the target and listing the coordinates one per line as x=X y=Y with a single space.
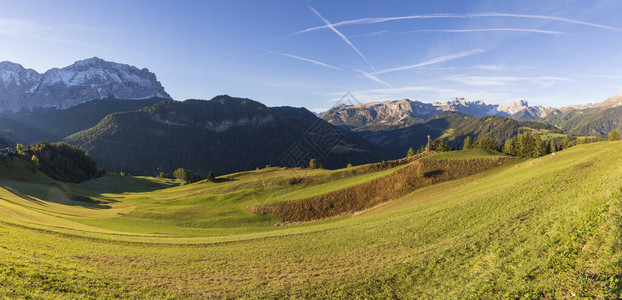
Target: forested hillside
x=51 y=124
x=454 y=128
x=222 y=135
x=589 y=121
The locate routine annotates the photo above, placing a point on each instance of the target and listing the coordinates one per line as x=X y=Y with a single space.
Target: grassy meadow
x=538 y=228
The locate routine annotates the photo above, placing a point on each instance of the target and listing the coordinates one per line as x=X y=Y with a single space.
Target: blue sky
x=552 y=53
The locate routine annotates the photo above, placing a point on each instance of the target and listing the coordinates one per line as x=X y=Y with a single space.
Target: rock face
x=85 y=80
x=611 y=102
x=17 y=85
x=392 y=114
x=384 y=114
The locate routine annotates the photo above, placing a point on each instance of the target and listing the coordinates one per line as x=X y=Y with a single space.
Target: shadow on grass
x=434 y=173
x=222 y=180
x=55 y=193
x=24 y=196
x=116 y=184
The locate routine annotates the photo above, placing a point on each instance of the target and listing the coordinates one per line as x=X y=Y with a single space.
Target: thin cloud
x=429 y=93
x=319 y=110
x=319 y=63
x=456 y=16
x=543 y=81
x=375 y=33
x=26 y=29
x=16 y=26
x=487 y=29
x=343 y=37
x=478 y=67
x=618 y=77
x=217 y=57
x=433 y=61
x=374 y=78
x=397 y=90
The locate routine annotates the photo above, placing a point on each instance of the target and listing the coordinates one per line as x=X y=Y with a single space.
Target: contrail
x=374 y=78
x=455 y=16
x=319 y=63
x=433 y=61
x=488 y=29
x=343 y=37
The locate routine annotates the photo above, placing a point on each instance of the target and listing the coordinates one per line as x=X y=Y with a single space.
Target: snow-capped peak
x=84 y=80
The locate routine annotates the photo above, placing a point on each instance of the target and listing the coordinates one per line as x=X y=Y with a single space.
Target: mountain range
x=127 y=122
x=224 y=135
x=392 y=114
x=85 y=80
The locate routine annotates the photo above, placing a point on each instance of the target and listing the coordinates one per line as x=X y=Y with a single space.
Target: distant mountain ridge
x=85 y=80
x=454 y=127
x=393 y=114
x=611 y=102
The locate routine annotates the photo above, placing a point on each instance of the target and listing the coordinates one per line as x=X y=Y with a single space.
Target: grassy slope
x=542 y=227
x=465 y=154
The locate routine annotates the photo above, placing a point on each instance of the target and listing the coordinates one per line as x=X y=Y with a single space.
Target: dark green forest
x=61 y=161
x=454 y=128
x=222 y=135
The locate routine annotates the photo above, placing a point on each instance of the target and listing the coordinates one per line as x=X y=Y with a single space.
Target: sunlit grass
x=539 y=228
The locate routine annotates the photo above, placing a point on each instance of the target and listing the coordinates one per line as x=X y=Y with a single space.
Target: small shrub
x=187 y=176
x=313 y=164
x=295 y=180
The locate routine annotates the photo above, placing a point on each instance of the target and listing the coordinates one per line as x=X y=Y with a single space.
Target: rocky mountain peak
x=10 y=66
x=16 y=72
x=404 y=112
x=89 y=62
x=613 y=101
x=84 y=80
x=514 y=106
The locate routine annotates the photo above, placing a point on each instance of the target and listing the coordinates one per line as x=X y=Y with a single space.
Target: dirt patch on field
x=116 y=261
x=584 y=165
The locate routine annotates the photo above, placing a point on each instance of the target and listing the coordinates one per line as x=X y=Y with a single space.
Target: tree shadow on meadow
x=117 y=184
x=434 y=173
x=54 y=193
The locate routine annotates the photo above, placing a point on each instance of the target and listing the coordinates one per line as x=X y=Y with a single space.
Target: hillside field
x=540 y=228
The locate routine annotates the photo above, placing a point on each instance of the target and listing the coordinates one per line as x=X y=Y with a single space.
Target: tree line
x=60 y=161
x=187 y=176
x=526 y=144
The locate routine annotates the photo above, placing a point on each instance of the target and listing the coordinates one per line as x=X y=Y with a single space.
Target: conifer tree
x=468 y=143
x=552 y=147
x=211 y=176
x=566 y=143
x=313 y=163
x=508 y=148
x=539 y=148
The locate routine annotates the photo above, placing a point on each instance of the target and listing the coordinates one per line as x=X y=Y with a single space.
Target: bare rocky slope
x=394 y=114
x=85 y=80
